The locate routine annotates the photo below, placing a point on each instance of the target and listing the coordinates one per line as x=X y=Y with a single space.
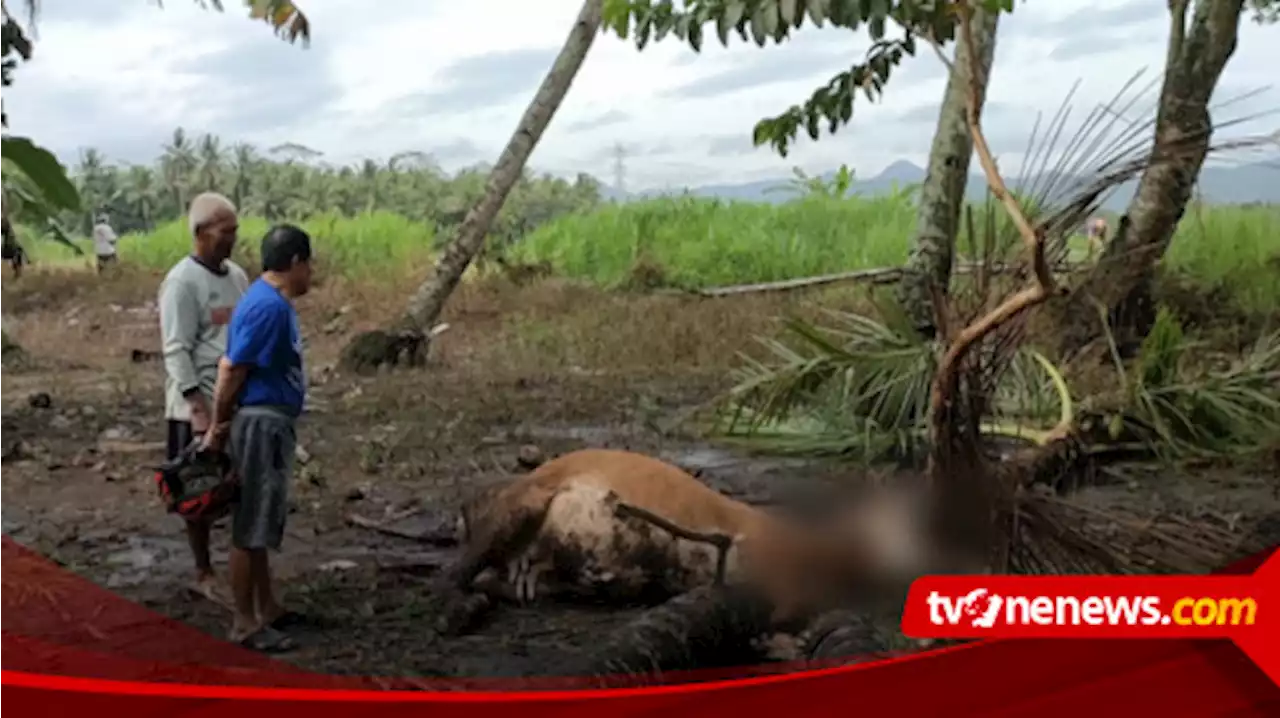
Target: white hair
x=205 y=207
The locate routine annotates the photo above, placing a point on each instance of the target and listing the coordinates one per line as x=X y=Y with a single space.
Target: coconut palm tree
x=407 y=337
x=141 y=193
x=209 y=163
x=177 y=165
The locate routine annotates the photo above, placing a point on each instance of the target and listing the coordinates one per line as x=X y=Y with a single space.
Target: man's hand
x=200 y=418
x=215 y=438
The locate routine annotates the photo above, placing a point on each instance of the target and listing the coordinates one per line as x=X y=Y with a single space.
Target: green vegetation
x=1236 y=248
x=367 y=246
x=703 y=242
x=693 y=242
x=294 y=183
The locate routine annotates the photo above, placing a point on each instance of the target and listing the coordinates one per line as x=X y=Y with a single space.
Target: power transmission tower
x=619 y=169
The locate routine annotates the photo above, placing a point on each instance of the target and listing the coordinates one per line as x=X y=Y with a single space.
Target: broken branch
x=722 y=542
x=1020 y=301
x=879 y=275
x=435 y=538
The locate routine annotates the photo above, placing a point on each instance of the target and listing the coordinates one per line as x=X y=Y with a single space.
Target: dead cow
x=622 y=525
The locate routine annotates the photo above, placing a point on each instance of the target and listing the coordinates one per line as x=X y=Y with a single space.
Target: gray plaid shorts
x=262 y=445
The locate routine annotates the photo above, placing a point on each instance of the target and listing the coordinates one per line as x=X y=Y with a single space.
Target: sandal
x=215 y=593
x=268 y=640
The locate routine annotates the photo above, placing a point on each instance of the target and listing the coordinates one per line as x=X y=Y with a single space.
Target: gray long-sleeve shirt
x=195 y=309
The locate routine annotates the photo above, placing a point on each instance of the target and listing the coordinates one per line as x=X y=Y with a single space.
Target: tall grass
x=698 y=242
x=703 y=242
x=1237 y=248
x=365 y=247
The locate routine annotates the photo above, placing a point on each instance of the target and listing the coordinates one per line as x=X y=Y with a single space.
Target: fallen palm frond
x=1082 y=539
x=868 y=398
x=867 y=381
x=1179 y=409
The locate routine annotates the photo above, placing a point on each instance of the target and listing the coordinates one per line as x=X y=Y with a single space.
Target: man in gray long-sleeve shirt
x=196 y=300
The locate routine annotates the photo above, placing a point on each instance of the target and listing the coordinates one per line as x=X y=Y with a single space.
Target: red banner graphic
x=1244 y=609
x=70 y=645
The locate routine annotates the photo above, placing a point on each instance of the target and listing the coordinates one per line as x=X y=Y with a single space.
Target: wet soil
x=78 y=488
x=82 y=432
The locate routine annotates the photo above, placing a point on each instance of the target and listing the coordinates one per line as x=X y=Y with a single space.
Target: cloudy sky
x=452 y=78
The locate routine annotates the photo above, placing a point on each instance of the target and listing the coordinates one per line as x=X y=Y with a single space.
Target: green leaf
x=818 y=10
x=695 y=37
x=761 y=132
x=763 y=23
x=44 y=170
x=661 y=32
x=787 y=10
x=643 y=30
x=616 y=16
x=1115 y=427
x=729 y=20
x=37 y=212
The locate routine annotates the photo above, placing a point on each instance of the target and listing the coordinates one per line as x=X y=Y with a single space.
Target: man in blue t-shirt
x=259 y=396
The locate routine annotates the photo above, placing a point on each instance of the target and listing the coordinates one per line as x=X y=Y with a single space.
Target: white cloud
x=122 y=80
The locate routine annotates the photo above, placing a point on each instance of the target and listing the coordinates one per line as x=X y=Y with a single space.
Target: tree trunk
x=1122 y=279
x=373 y=349
x=708 y=627
x=942 y=195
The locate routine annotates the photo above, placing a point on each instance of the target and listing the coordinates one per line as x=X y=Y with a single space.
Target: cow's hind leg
x=500 y=529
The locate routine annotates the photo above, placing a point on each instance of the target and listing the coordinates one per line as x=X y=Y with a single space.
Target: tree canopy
x=49 y=190
x=933 y=22
x=293 y=182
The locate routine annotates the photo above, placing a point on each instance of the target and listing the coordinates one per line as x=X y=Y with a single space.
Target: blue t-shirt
x=264 y=336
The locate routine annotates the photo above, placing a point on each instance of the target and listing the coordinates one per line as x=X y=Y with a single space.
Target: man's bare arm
x=231 y=379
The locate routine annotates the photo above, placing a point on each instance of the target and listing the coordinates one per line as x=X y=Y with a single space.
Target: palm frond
x=859 y=387
x=1181 y=410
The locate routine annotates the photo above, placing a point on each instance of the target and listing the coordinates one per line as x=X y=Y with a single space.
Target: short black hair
x=282 y=246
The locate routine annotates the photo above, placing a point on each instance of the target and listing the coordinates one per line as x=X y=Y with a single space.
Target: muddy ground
x=551 y=365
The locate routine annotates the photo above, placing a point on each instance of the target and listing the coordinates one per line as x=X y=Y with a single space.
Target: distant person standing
x=13 y=252
x=1097 y=235
x=104 y=242
x=196 y=299
x=16 y=256
x=260 y=394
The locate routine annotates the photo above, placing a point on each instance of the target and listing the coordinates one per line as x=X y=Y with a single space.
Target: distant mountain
x=1242 y=184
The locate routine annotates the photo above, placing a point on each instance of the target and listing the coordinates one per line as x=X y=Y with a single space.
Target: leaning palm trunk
x=1122 y=278
x=408 y=336
x=928 y=268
